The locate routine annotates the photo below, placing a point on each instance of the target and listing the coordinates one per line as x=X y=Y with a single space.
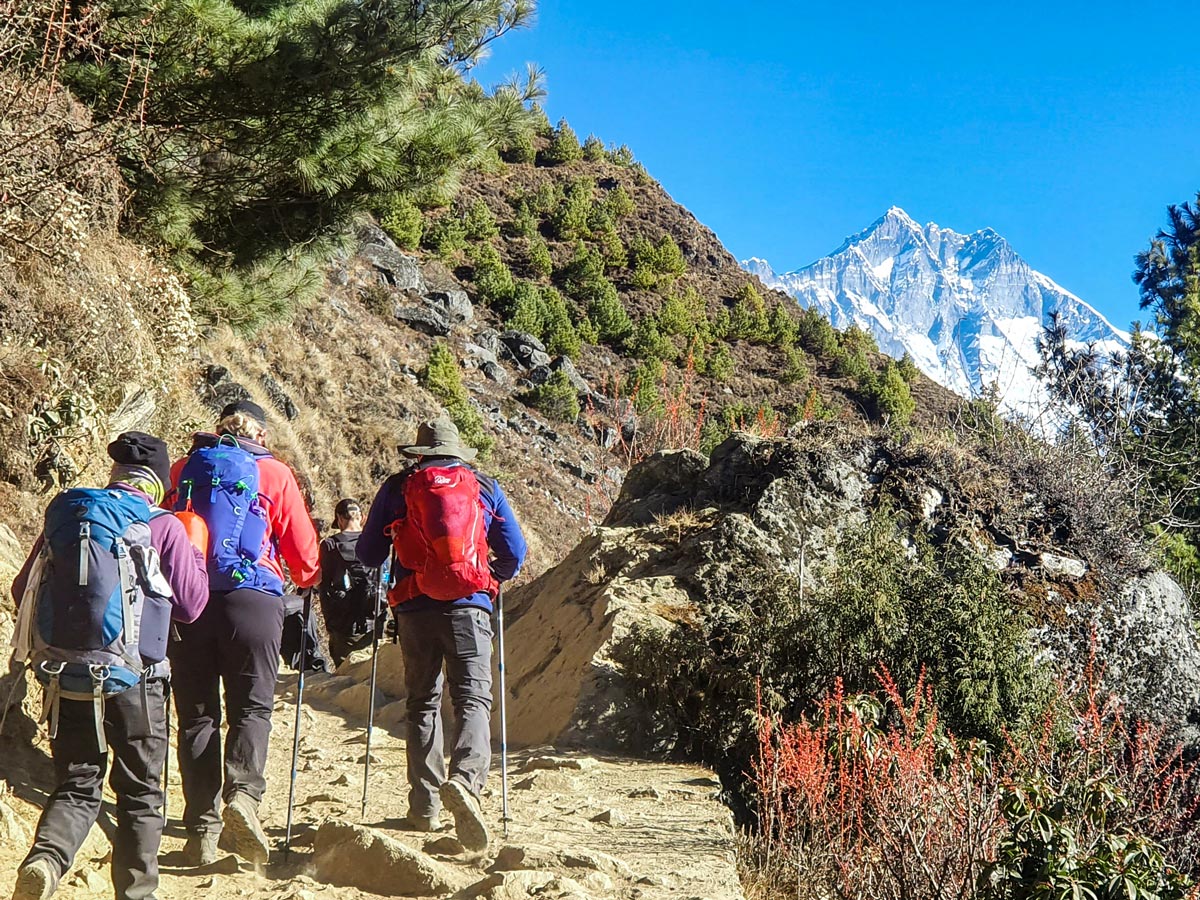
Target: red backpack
x=442 y=538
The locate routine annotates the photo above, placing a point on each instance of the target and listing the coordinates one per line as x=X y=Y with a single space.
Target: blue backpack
x=221 y=484
x=99 y=609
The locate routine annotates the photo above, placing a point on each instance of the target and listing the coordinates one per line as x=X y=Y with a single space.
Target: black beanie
x=134 y=448
x=249 y=408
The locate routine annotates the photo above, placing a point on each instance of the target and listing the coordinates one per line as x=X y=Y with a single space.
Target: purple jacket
x=182 y=565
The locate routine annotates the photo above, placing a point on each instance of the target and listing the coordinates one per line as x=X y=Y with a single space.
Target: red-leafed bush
x=871 y=798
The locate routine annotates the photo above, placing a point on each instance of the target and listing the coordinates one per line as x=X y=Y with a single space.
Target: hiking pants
x=461 y=638
x=135 y=726
x=234 y=643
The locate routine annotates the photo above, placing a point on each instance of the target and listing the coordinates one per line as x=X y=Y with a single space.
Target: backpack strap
x=129 y=593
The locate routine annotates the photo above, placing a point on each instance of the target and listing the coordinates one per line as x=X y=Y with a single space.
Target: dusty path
x=581 y=827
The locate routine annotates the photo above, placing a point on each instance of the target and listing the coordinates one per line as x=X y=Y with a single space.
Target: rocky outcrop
x=353 y=856
x=683 y=524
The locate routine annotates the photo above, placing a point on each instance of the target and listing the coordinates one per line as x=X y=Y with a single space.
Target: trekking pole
x=380 y=593
x=167 y=760
x=287 y=837
x=503 y=716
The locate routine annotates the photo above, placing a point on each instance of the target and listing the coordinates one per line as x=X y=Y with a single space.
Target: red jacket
x=292 y=529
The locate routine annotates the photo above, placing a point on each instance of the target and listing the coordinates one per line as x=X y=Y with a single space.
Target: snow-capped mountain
x=966 y=307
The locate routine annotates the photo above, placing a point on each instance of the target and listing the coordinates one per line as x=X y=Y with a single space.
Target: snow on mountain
x=966 y=308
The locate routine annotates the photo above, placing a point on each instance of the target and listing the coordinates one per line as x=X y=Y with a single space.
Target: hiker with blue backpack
x=454 y=540
x=96 y=599
x=257 y=522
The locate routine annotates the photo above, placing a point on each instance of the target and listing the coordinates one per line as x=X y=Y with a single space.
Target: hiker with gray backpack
x=257 y=522
x=455 y=540
x=96 y=599
x=348 y=588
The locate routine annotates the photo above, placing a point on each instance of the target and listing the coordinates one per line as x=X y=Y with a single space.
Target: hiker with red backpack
x=257 y=521
x=348 y=587
x=96 y=599
x=443 y=519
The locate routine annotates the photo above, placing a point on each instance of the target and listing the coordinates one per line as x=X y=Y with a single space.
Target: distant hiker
x=442 y=518
x=96 y=599
x=348 y=587
x=256 y=520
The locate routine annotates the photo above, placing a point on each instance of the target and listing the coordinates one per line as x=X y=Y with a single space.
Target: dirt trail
x=582 y=827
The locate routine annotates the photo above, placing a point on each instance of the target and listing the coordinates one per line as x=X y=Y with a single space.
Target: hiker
x=255 y=516
x=443 y=595
x=114 y=697
x=348 y=588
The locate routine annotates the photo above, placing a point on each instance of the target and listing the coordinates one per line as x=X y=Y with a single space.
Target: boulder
x=424 y=319
x=563 y=364
x=495 y=372
x=524 y=349
x=454 y=306
x=350 y=855
x=395 y=268
x=521 y=885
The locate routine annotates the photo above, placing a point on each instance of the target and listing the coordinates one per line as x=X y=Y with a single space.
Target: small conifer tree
x=593 y=149
x=564 y=146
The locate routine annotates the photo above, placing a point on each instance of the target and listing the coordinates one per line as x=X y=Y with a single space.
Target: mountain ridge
x=966 y=307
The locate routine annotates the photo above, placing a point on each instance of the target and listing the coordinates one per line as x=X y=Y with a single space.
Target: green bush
x=782 y=326
x=560 y=335
x=675 y=315
x=908 y=368
x=445 y=236
x=593 y=149
x=546 y=197
x=493 y=281
x=648 y=342
x=442 y=378
x=607 y=312
x=538 y=258
x=524 y=222
x=795 y=367
x=889 y=393
x=564 y=146
x=851 y=362
x=748 y=320
x=479 y=224
x=556 y=398
x=587 y=330
x=570 y=220
x=402 y=220
x=654 y=261
x=817 y=335
x=720 y=364
x=621 y=156
x=612 y=249
x=645 y=384
x=618 y=204
x=527 y=311
x=520 y=150
x=1064 y=841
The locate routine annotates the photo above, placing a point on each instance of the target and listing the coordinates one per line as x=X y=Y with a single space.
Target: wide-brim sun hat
x=439 y=437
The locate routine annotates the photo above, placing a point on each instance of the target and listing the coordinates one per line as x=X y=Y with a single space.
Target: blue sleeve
x=374 y=544
x=504 y=537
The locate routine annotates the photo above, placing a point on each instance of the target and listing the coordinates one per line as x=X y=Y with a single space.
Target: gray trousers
x=461 y=638
x=135 y=727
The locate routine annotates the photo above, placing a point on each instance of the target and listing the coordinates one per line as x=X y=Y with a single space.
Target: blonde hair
x=240 y=424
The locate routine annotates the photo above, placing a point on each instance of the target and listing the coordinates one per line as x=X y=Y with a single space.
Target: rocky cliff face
x=684 y=524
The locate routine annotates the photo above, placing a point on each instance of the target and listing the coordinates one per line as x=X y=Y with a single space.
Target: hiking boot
x=421 y=823
x=201 y=849
x=35 y=881
x=468 y=818
x=242 y=832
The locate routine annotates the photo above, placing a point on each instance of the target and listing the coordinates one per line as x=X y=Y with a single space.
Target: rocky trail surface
x=582 y=826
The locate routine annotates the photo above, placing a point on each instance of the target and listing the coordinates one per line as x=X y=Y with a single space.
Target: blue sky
x=1067 y=127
